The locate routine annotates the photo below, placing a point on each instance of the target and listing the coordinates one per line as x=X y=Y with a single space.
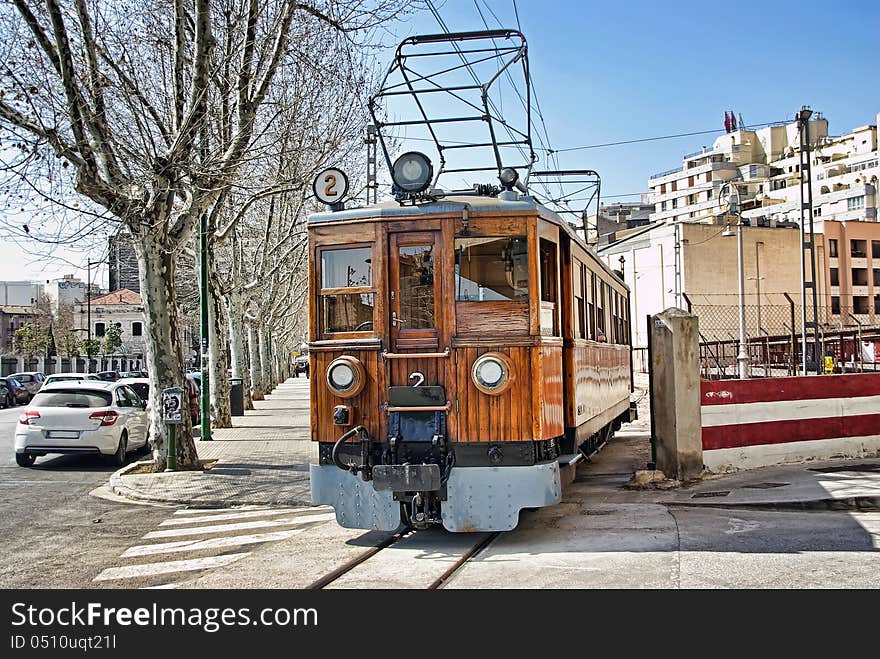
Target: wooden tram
x=463 y=345
x=457 y=358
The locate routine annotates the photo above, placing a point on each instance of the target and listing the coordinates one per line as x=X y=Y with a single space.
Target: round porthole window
x=346 y=376
x=492 y=373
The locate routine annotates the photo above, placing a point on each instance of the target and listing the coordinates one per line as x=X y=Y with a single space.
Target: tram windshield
x=347 y=300
x=491 y=269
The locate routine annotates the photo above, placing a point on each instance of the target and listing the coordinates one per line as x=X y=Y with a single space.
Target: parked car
x=194 y=384
x=141 y=386
x=108 y=376
x=301 y=365
x=69 y=377
x=5 y=400
x=105 y=418
x=16 y=394
x=31 y=380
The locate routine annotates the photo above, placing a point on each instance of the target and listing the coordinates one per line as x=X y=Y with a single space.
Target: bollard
x=171 y=459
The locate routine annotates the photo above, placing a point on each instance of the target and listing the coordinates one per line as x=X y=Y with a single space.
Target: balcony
x=666 y=173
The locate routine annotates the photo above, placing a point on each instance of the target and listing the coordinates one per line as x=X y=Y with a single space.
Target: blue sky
x=613 y=71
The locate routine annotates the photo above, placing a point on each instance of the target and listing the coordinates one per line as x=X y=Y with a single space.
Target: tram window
x=578 y=275
x=600 y=309
x=347 y=313
x=416 y=264
x=549 y=268
x=591 y=305
x=346 y=268
x=347 y=301
x=491 y=269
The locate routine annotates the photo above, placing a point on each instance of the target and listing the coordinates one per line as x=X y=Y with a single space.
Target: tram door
x=414 y=291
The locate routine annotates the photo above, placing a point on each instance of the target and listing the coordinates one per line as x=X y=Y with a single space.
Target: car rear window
x=141 y=389
x=71 y=398
x=25 y=378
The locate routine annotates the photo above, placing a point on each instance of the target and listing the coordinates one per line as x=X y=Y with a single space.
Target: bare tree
x=117 y=101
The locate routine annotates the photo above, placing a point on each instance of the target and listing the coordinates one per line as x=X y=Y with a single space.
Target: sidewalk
x=834 y=484
x=264 y=459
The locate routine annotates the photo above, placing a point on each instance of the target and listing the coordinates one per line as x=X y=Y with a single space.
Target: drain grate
x=765 y=486
x=706 y=495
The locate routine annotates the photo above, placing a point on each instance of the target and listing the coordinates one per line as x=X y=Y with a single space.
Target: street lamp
x=733 y=209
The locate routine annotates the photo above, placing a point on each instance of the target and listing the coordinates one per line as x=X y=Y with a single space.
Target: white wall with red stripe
x=763 y=422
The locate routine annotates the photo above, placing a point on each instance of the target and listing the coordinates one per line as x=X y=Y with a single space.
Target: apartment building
x=691 y=193
x=764 y=165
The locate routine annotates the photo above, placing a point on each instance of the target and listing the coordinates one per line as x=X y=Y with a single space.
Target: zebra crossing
x=198 y=539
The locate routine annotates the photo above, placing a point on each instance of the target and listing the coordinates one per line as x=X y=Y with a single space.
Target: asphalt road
x=55 y=534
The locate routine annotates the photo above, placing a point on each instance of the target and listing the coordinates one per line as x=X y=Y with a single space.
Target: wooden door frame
x=421 y=339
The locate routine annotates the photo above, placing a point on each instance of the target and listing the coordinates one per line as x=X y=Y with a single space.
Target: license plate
x=63 y=434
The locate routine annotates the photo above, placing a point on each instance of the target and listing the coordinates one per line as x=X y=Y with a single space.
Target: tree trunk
x=164 y=357
x=235 y=311
x=256 y=373
x=265 y=365
x=218 y=363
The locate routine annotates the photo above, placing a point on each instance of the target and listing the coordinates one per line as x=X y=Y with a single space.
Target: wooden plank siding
x=559 y=381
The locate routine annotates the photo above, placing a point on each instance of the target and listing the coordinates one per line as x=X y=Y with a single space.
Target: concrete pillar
x=675 y=382
x=41 y=364
x=20 y=368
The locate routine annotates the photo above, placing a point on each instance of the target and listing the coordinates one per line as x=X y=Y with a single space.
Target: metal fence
x=774 y=341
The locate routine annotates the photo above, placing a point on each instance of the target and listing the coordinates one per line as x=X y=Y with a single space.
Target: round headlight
x=492 y=373
x=346 y=377
x=412 y=172
x=508 y=177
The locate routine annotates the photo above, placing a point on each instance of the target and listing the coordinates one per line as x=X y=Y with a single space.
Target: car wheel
x=25 y=459
x=121 y=450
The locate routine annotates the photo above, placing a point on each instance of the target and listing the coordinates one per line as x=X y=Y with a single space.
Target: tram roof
x=450 y=204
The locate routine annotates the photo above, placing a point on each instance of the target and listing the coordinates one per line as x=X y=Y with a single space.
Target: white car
x=69 y=377
x=84 y=416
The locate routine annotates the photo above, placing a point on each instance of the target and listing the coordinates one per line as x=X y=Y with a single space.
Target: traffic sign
x=172 y=405
x=330 y=186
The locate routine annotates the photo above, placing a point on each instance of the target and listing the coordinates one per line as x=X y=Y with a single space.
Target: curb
x=859 y=504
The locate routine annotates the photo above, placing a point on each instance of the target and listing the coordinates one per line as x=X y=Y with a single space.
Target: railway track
x=408 y=559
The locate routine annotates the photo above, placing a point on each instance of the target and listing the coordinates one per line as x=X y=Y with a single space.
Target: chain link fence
x=849 y=339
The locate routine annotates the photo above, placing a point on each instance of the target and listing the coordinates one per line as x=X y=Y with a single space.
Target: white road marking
x=226 y=515
x=238 y=526
x=202 y=511
x=164 y=586
x=211 y=543
x=150 y=569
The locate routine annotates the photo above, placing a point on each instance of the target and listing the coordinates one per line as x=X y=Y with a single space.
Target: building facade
x=695 y=266
x=764 y=166
x=123 y=263
x=615 y=218
x=12 y=318
x=66 y=291
x=124 y=308
x=20 y=293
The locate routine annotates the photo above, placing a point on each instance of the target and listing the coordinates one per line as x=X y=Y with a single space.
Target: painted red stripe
x=793 y=430
x=725 y=392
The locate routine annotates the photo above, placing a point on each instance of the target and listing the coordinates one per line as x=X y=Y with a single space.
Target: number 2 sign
x=330 y=186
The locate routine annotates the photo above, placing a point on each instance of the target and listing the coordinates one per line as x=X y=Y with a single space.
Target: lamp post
x=733 y=208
